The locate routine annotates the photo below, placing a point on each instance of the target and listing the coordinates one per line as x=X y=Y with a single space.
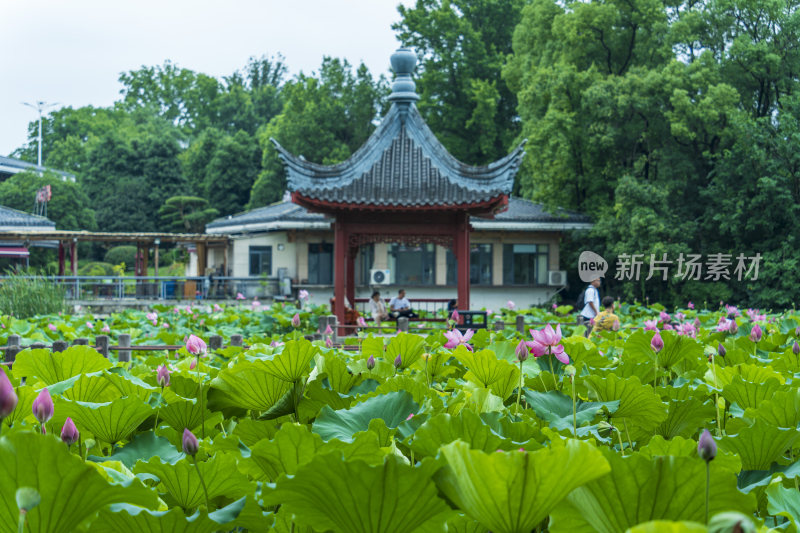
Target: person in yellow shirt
x=606 y=320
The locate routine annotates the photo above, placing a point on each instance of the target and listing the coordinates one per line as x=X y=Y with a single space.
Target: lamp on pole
x=40 y=106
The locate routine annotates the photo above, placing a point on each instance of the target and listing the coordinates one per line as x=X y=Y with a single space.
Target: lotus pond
x=433 y=432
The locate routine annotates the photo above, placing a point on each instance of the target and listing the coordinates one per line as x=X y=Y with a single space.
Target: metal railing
x=164 y=287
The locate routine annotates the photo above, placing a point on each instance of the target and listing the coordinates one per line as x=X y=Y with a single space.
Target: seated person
x=378 y=309
x=400 y=306
x=606 y=320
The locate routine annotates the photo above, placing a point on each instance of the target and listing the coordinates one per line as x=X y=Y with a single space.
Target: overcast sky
x=72 y=52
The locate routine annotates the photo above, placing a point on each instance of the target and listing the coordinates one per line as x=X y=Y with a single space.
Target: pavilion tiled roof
x=17 y=219
x=402 y=165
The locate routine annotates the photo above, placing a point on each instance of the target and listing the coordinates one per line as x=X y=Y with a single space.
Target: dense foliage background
x=673 y=124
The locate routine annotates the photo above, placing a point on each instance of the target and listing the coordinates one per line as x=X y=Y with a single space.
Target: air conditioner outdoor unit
x=557 y=278
x=379 y=276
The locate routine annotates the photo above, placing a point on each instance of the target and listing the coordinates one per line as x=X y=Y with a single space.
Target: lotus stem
x=202 y=411
x=519 y=390
x=621 y=446
x=203 y=483
x=625 y=425
x=708 y=485
x=543 y=384
x=550 y=360
x=21 y=521
x=574 y=412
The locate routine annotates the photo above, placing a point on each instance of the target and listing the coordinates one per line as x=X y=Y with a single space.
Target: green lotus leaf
x=70 y=490
x=182 y=414
x=784 y=502
x=293 y=445
x=25 y=396
x=402 y=382
x=667 y=526
x=637 y=403
x=110 y=422
x=366 y=446
x=556 y=408
x=408 y=346
x=393 y=408
x=482 y=400
x=130 y=385
x=681 y=447
x=747 y=394
x=516 y=431
x=641 y=489
x=316 y=396
x=95 y=388
x=484 y=368
x=292 y=362
x=183 y=484
x=251 y=386
x=143 y=447
x=782 y=409
x=466 y=426
x=331 y=494
x=684 y=417
x=787 y=362
x=750 y=372
x=677 y=348
x=53 y=367
x=759 y=445
x=340 y=377
x=251 y=431
x=463 y=524
x=513 y=492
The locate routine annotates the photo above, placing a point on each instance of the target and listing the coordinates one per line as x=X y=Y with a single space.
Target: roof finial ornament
x=404 y=60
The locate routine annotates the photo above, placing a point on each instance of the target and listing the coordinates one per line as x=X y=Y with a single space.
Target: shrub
x=121 y=254
x=96 y=268
x=24 y=297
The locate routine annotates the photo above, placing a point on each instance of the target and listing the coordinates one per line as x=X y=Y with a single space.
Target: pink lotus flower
x=651 y=325
x=511 y=305
x=455 y=316
x=296 y=320
x=455 y=338
x=724 y=324
x=328 y=330
x=69 y=433
x=522 y=351
x=255 y=303
x=663 y=316
x=195 y=345
x=217 y=308
x=52 y=327
x=657 y=343
x=43 y=407
x=732 y=309
x=275 y=344
x=680 y=316
x=361 y=322
x=555 y=306
x=240 y=296
x=409 y=417
x=193 y=364
x=106 y=329
x=328 y=342
x=8 y=398
x=152 y=317
x=190 y=444
x=89 y=325
x=668 y=327
x=690 y=305
x=303 y=295
x=165 y=325
x=162 y=376
x=551 y=340
x=755 y=333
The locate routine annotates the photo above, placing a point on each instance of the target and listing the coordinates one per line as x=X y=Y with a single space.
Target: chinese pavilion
x=402 y=186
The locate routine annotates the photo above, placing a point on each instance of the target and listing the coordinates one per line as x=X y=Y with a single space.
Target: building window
x=364 y=262
x=260 y=260
x=480 y=265
x=525 y=264
x=413 y=265
x=320 y=263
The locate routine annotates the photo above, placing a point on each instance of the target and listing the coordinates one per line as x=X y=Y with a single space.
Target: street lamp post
x=40 y=106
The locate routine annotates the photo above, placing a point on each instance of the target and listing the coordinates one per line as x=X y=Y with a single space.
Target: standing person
x=378 y=309
x=606 y=320
x=591 y=305
x=400 y=306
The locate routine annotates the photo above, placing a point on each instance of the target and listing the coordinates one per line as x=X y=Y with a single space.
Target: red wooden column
x=350 y=275
x=461 y=251
x=340 y=253
x=61 y=258
x=73 y=247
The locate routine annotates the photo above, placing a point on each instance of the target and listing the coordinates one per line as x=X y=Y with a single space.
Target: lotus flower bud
x=733 y=327
x=162 y=376
x=657 y=343
x=697 y=323
x=797 y=331
x=455 y=316
x=361 y=322
x=296 y=320
x=195 y=345
x=328 y=330
x=69 y=433
x=328 y=342
x=27 y=498
x=398 y=361
x=522 y=351
x=52 y=327
x=371 y=362
x=796 y=348
x=8 y=398
x=511 y=305
x=721 y=351
x=755 y=333
x=190 y=444
x=706 y=447
x=193 y=364
x=570 y=371
x=731 y=522
x=43 y=406
x=89 y=444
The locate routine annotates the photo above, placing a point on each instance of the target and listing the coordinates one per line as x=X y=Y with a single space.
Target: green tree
x=69 y=206
x=324 y=119
x=187 y=214
x=463 y=45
